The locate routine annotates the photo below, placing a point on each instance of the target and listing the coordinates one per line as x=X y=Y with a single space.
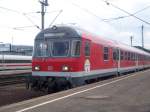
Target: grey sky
x=85 y=13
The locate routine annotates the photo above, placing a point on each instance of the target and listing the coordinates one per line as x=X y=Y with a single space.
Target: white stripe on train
x=83 y=73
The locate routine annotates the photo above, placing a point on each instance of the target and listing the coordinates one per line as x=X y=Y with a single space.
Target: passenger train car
x=15 y=62
x=70 y=56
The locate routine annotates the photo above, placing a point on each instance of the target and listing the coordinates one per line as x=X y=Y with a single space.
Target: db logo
x=87 y=65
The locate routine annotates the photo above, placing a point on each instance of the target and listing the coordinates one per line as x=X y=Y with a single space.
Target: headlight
x=37 y=68
x=65 y=68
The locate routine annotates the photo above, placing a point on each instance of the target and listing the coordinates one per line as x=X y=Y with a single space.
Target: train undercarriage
x=49 y=84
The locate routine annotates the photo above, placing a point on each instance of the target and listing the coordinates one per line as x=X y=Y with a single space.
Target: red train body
x=70 y=56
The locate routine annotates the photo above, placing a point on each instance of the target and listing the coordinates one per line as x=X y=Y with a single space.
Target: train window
x=136 y=57
x=76 y=48
x=139 y=57
x=106 y=53
x=132 y=56
x=87 y=48
x=41 y=49
x=60 y=48
x=121 y=56
x=143 y=57
x=126 y=56
x=114 y=54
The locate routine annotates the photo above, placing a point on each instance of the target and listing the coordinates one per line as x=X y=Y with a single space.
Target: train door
x=116 y=59
x=136 y=61
x=87 y=64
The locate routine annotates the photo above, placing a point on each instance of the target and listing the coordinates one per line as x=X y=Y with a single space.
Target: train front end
x=57 y=58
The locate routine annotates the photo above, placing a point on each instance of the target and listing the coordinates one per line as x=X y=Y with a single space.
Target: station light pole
x=131 y=38
x=44 y=3
x=142 y=37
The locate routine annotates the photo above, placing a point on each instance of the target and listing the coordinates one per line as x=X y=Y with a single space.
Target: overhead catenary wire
x=122 y=17
x=88 y=11
x=56 y=17
x=22 y=27
x=108 y=3
x=20 y=13
x=111 y=19
x=11 y=10
x=31 y=21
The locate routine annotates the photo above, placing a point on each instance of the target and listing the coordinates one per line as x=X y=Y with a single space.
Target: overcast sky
x=18 y=19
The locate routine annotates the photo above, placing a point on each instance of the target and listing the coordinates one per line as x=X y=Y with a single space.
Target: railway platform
x=128 y=93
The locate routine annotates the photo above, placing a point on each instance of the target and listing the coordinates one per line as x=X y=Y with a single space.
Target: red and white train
x=15 y=62
x=70 y=56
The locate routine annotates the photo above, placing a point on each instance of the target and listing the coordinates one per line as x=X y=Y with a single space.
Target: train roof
x=59 y=31
x=73 y=31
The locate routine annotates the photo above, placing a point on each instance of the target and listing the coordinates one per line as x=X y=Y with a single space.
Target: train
x=15 y=62
x=68 y=56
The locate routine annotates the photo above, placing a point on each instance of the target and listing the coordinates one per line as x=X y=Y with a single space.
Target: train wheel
x=51 y=87
x=27 y=85
x=118 y=74
x=28 y=78
x=68 y=86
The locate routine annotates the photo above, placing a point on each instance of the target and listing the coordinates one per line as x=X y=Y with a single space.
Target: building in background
x=5 y=47
x=16 y=49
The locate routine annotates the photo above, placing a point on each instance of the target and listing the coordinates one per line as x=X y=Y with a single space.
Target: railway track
x=13 y=79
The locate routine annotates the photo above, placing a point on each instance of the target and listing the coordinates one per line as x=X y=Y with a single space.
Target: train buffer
x=127 y=93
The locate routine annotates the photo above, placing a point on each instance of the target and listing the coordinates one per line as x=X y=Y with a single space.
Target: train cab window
x=76 y=48
x=87 y=48
x=60 y=48
x=106 y=53
x=41 y=49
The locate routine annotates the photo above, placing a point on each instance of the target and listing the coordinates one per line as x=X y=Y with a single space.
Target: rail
x=13 y=78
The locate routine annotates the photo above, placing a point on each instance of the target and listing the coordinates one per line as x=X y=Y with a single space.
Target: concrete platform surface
x=129 y=93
